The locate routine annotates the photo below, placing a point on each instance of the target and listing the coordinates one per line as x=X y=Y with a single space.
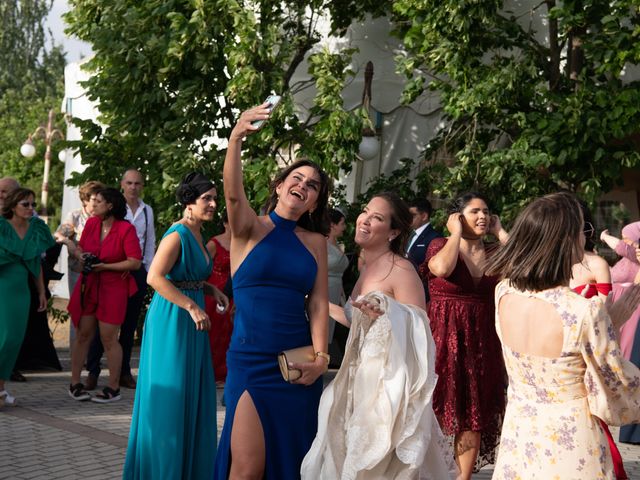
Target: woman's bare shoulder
x=402 y=264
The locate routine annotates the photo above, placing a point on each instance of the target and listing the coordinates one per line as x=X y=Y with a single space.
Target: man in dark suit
x=423 y=233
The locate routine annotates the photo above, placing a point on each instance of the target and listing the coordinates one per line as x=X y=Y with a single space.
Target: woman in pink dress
x=221 y=325
x=623 y=275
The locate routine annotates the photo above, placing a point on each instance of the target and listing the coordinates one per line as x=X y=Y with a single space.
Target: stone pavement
x=49 y=436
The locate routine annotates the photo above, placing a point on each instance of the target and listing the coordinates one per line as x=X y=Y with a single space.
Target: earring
x=189 y=214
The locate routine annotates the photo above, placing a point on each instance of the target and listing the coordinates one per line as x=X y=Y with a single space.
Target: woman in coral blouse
x=109 y=249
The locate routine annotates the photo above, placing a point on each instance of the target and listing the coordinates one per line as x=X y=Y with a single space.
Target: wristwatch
x=324 y=355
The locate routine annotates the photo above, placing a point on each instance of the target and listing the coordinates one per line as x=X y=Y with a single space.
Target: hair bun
x=186 y=194
x=192 y=186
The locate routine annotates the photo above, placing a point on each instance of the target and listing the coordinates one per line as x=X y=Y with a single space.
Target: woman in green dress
x=23 y=238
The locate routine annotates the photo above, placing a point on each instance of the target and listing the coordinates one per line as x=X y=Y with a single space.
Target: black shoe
x=78 y=393
x=16 y=376
x=108 y=395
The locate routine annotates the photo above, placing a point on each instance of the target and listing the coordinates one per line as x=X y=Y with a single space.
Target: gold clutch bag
x=295 y=355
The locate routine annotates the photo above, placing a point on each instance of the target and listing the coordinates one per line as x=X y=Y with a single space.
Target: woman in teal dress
x=173 y=429
x=279 y=276
x=23 y=238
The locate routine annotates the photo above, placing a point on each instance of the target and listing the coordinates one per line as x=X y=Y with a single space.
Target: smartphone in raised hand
x=273 y=101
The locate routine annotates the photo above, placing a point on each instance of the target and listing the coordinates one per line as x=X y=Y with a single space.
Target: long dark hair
x=318 y=220
x=117 y=201
x=401 y=219
x=462 y=200
x=542 y=244
x=335 y=216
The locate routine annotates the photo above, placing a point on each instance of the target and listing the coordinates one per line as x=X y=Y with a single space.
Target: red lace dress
x=221 y=325
x=472 y=381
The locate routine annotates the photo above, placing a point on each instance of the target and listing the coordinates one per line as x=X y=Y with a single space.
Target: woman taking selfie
x=279 y=272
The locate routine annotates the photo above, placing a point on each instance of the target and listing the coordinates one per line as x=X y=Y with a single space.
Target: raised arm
x=497 y=230
x=241 y=215
x=444 y=262
x=610 y=240
x=627 y=251
x=164 y=259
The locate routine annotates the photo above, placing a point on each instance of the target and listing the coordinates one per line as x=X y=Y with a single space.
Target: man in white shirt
x=141 y=216
x=421 y=210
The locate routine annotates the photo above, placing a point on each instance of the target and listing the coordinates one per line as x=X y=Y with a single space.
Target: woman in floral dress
x=561 y=352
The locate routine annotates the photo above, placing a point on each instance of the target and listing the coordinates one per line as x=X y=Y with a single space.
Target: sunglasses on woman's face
x=28 y=204
x=588 y=229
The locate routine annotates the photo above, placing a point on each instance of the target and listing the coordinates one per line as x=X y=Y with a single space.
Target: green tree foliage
x=525 y=116
x=31 y=83
x=172 y=75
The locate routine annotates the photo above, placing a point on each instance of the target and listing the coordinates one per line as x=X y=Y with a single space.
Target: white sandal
x=7 y=399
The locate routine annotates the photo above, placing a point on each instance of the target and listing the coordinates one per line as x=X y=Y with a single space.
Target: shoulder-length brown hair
x=543 y=244
x=13 y=198
x=318 y=220
x=89 y=188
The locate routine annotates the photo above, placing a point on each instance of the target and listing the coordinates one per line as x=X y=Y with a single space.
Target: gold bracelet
x=324 y=355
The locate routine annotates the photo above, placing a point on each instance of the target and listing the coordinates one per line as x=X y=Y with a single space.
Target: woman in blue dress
x=279 y=271
x=173 y=429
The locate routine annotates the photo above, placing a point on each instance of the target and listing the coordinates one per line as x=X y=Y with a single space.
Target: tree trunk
x=554 y=50
x=577 y=56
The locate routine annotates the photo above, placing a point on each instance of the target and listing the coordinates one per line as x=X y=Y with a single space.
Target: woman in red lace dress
x=469 y=399
x=221 y=325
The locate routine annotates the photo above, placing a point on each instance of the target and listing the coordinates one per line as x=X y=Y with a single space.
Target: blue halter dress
x=269 y=291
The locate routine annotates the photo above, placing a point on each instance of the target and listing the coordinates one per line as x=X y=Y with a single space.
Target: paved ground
x=49 y=436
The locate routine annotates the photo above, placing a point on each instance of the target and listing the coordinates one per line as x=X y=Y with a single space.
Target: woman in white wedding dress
x=375 y=419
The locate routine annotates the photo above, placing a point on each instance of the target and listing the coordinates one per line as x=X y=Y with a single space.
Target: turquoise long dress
x=269 y=291
x=173 y=428
x=18 y=258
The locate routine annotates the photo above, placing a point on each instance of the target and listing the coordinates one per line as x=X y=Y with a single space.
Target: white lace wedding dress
x=375 y=419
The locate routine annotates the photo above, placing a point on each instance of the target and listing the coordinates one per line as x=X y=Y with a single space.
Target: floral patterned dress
x=551 y=427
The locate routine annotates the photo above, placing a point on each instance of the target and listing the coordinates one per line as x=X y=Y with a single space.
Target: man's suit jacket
x=418 y=251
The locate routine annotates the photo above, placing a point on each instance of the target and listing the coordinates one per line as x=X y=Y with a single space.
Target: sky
x=75 y=48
